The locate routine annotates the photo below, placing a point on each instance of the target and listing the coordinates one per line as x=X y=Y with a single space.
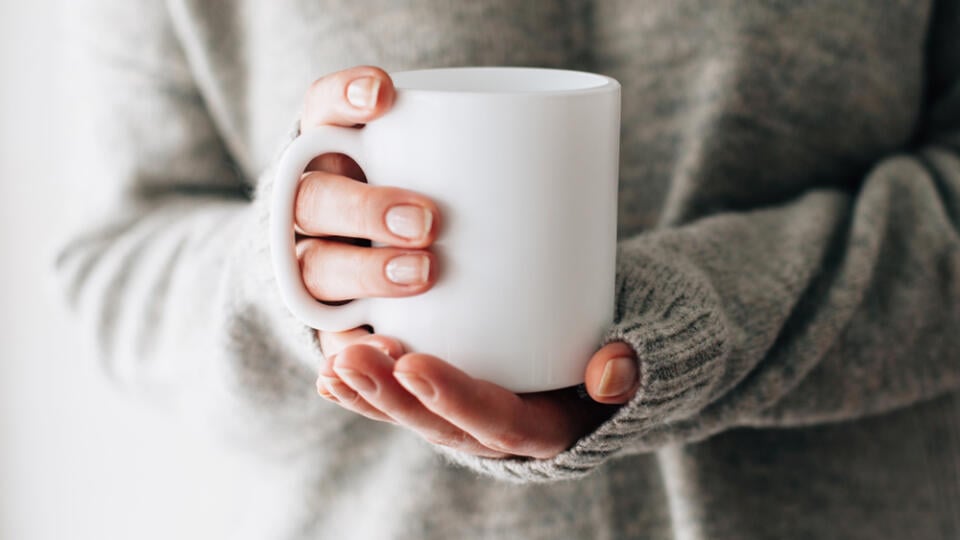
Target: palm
x=371 y=375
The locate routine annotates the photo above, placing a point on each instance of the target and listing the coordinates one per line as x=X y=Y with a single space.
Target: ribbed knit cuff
x=670 y=316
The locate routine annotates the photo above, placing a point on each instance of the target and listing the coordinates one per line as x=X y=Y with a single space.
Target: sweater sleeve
x=169 y=269
x=831 y=306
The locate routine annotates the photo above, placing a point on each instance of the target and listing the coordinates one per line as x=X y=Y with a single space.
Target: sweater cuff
x=259 y=293
x=671 y=317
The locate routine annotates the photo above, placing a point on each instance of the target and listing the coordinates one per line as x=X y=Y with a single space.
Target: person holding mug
x=779 y=360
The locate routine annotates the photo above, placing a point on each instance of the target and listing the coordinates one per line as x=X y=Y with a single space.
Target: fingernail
x=362 y=92
x=619 y=375
x=415 y=384
x=409 y=221
x=408 y=270
x=358 y=381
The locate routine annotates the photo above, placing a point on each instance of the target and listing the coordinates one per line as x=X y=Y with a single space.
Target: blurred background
x=78 y=460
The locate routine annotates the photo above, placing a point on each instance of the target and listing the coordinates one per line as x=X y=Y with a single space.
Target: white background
x=78 y=460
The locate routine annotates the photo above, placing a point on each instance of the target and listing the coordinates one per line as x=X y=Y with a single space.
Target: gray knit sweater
x=788 y=271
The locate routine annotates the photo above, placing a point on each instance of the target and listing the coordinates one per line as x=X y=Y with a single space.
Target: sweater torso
x=723 y=101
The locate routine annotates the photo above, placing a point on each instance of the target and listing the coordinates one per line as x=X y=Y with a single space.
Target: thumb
x=612 y=375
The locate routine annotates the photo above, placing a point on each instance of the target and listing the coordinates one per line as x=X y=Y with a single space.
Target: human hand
x=369 y=374
x=335 y=210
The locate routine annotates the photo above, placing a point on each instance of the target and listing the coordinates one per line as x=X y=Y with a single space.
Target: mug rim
x=518 y=81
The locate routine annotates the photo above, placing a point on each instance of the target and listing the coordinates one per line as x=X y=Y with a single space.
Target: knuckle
x=309 y=192
x=327 y=88
x=365 y=211
x=369 y=275
x=314 y=102
x=326 y=94
x=316 y=87
x=312 y=270
x=336 y=204
x=323 y=97
x=307 y=250
x=335 y=86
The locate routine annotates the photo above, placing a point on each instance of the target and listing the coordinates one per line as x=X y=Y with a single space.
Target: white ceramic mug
x=523 y=164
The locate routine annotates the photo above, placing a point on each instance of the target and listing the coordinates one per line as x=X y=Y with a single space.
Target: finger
x=325 y=380
x=328 y=204
x=340 y=164
x=494 y=416
x=612 y=374
x=369 y=372
x=331 y=343
x=330 y=387
x=334 y=271
x=334 y=390
x=346 y=98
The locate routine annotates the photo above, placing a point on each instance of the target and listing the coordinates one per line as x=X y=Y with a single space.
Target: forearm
x=171 y=274
x=181 y=301
x=828 y=308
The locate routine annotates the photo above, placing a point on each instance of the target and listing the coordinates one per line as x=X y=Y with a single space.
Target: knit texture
x=788 y=269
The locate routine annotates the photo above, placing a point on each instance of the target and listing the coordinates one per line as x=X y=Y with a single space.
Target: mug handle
x=286 y=267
